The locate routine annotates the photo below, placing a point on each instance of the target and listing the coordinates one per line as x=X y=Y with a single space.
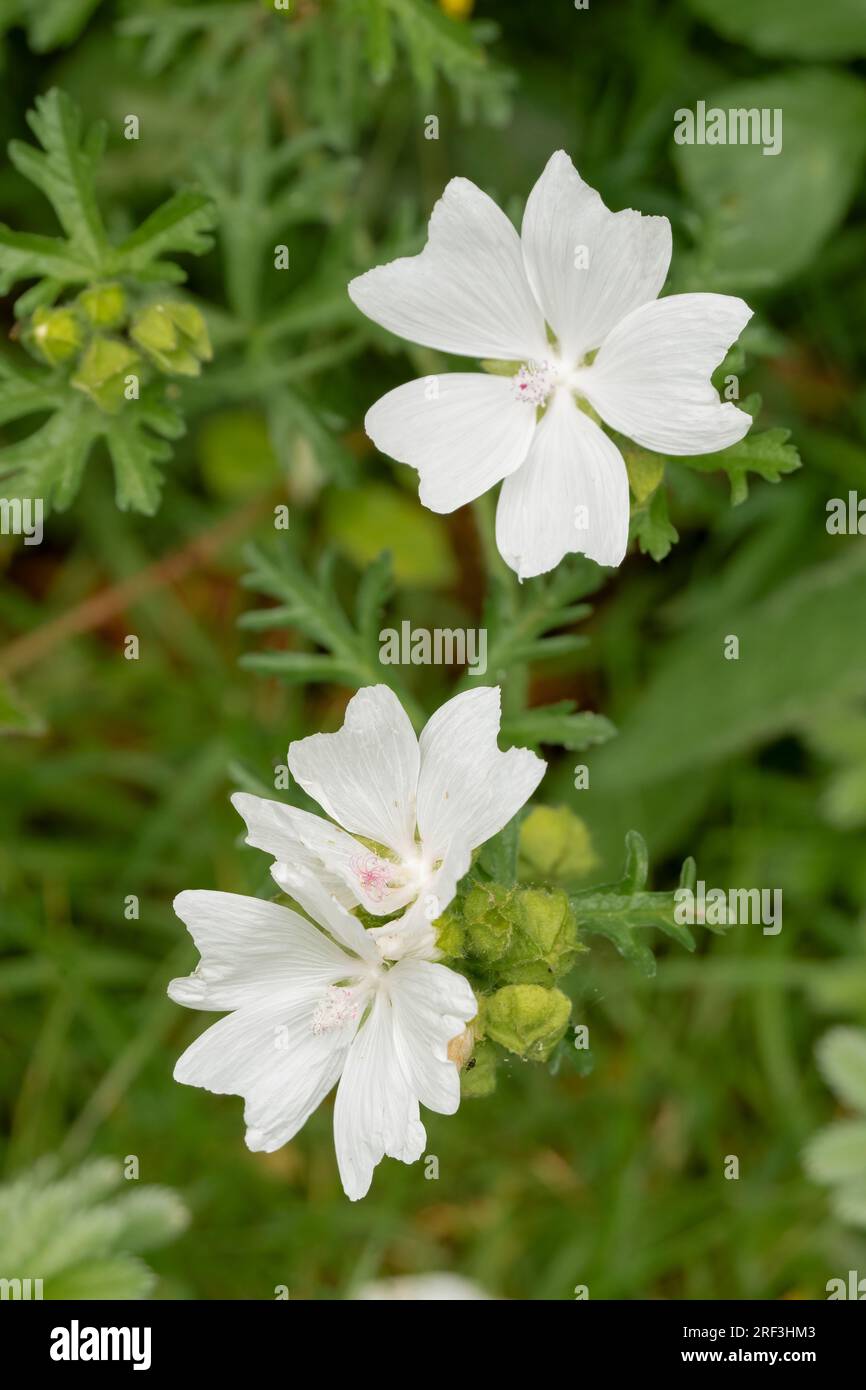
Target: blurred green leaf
x=765 y=217
x=366 y=520
x=841 y=1057
x=789 y=28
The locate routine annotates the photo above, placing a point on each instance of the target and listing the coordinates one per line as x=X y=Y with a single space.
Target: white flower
x=310 y=1009
x=480 y=290
x=419 y=806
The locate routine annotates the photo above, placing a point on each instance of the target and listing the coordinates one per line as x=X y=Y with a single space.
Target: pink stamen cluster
x=335 y=1010
x=372 y=874
x=533 y=383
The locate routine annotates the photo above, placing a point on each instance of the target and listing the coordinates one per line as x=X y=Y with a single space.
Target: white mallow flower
x=643 y=364
x=407 y=812
x=313 y=1005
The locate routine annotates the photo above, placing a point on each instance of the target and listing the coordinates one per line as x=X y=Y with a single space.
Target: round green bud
x=527 y=1019
x=103 y=370
x=555 y=843
x=174 y=336
x=486 y=921
x=103 y=305
x=54 y=335
x=544 y=940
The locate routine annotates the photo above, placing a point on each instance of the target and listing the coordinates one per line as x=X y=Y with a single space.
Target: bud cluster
x=513 y=944
x=106 y=340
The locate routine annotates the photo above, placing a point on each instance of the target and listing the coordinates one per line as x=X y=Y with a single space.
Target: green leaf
x=619 y=910
x=849 y=1203
x=65 y=171
x=50 y=462
x=498 y=856
x=789 y=28
x=137 y=441
x=78 y=1231
x=651 y=525
x=560 y=724
x=114 y=1276
x=365 y=521
x=522 y=621
x=837 y=1152
x=698 y=708
x=841 y=1055
x=768 y=454
x=750 y=201
x=15 y=717
x=180 y=225
x=55 y=23
x=374 y=591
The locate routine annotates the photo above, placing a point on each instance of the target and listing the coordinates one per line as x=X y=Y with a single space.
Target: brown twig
x=100 y=607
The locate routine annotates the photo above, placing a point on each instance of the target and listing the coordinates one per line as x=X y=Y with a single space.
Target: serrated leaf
x=49 y=463
x=374 y=591
x=65 y=171
x=768 y=454
x=653 y=528
x=618 y=910
x=180 y=225
x=560 y=724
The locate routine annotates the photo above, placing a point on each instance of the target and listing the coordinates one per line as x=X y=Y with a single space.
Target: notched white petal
x=462 y=431
x=569 y=497
x=588 y=266
x=466 y=292
x=651 y=378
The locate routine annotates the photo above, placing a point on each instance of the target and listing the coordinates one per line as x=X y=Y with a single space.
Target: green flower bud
x=486 y=921
x=174 y=336
x=544 y=941
x=478 y=1077
x=527 y=1019
x=102 y=372
x=555 y=843
x=450 y=935
x=104 y=305
x=54 y=334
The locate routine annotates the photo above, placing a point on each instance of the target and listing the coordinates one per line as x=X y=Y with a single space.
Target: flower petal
x=466 y=292
x=270 y=1054
x=651 y=378
x=588 y=266
x=298 y=839
x=464 y=438
x=468 y=788
x=310 y=845
x=376 y=1110
x=310 y=894
x=365 y=775
x=249 y=948
x=571 y=495
x=432 y=1005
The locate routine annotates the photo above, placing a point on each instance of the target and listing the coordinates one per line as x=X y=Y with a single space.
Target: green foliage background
x=306 y=127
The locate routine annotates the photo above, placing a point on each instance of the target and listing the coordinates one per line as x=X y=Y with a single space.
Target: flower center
x=337 y=1007
x=378 y=876
x=533 y=383
x=372 y=873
